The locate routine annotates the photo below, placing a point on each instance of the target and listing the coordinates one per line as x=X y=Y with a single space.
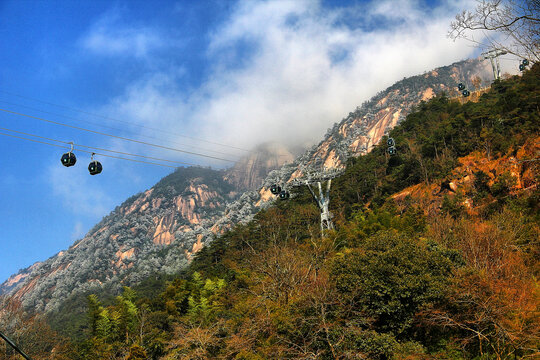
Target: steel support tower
x=323 y=200
x=310 y=178
x=493 y=55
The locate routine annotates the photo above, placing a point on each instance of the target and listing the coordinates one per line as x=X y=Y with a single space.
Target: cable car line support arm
x=493 y=58
x=313 y=195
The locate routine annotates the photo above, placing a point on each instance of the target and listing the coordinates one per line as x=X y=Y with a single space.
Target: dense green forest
x=417 y=268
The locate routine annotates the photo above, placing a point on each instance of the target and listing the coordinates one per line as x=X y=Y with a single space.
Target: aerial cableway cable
x=13 y=345
x=122 y=121
x=89 y=152
x=102 y=154
x=115 y=136
x=113 y=128
x=107 y=150
x=97 y=148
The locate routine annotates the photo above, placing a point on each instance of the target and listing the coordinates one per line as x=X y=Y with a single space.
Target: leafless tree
x=509 y=25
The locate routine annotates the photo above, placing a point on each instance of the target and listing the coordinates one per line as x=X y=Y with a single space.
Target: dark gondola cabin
x=68 y=159
x=284 y=195
x=275 y=189
x=521 y=67
x=95 y=167
x=466 y=93
x=392 y=150
x=461 y=87
x=525 y=62
x=390 y=142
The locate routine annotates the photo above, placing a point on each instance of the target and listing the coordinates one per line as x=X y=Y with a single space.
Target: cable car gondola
x=95 y=166
x=522 y=67
x=392 y=150
x=466 y=93
x=461 y=87
x=284 y=195
x=525 y=62
x=275 y=189
x=390 y=142
x=69 y=159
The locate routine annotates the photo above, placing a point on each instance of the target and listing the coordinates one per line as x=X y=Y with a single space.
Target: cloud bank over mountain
x=280 y=70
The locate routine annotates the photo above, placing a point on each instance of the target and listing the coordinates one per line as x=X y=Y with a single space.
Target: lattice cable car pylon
x=493 y=56
x=323 y=201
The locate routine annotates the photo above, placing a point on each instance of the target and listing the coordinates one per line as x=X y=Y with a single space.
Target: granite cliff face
x=363 y=128
x=123 y=248
x=154 y=231
x=250 y=171
x=160 y=229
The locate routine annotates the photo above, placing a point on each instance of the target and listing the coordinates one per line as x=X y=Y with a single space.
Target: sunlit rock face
x=364 y=127
x=460 y=182
x=159 y=230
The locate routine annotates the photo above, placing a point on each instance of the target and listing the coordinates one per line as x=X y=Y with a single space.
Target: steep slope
x=250 y=171
x=156 y=231
x=362 y=129
x=178 y=210
x=436 y=255
x=160 y=229
x=436 y=264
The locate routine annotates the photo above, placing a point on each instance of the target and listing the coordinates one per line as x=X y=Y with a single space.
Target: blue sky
x=231 y=72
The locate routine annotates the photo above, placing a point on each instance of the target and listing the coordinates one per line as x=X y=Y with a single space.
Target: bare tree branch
x=515 y=26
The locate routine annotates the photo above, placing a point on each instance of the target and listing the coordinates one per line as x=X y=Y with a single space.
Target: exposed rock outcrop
x=160 y=229
x=461 y=181
x=249 y=172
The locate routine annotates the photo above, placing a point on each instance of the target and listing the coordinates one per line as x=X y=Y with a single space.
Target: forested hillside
x=435 y=255
x=157 y=231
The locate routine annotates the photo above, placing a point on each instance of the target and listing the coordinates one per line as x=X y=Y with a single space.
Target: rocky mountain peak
x=158 y=231
x=250 y=171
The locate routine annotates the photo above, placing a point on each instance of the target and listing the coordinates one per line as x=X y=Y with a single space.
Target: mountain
x=251 y=170
x=154 y=231
x=435 y=255
x=160 y=229
x=364 y=127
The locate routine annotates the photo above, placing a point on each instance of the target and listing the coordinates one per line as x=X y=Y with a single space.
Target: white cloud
x=287 y=70
x=108 y=36
x=78 y=231
x=79 y=192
